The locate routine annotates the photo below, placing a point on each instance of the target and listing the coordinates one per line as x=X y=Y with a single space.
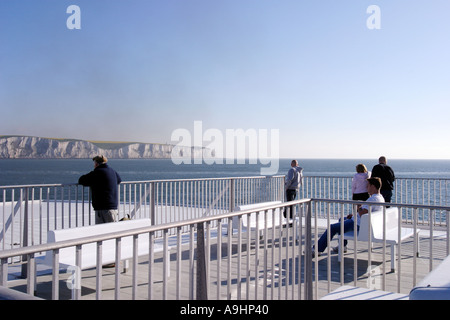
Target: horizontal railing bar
x=396 y=178
x=137 y=231
x=140 y=181
x=384 y=204
x=194 y=221
x=39 y=185
x=204 y=179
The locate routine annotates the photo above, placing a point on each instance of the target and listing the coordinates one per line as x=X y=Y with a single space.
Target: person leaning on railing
x=293 y=182
x=374 y=186
x=359 y=183
x=103 y=181
x=387 y=176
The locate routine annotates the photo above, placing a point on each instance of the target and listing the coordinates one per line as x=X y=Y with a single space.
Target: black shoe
x=111 y=265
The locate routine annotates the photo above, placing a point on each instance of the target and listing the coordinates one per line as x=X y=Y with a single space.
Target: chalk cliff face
x=45 y=148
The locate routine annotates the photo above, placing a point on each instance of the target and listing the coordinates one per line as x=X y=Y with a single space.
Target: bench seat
x=392 y=237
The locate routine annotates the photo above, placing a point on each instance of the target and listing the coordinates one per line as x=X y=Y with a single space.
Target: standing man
x=103 y=181
x=293 y=182
x=386 y=174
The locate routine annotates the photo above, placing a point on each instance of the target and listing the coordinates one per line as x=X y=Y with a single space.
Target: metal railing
x=426 y=191
x=198 y=282
x=28 y=212
x=40 y=208
x=262 y=263
x=433 y=241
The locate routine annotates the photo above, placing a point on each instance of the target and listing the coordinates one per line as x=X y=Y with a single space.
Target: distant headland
x=29 y=147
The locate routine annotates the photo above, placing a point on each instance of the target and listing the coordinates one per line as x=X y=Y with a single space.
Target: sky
x=317 y=72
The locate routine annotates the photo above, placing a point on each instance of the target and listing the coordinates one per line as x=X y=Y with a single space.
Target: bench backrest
x=377 y=224
x=260 y=217
x=98 y=229
x=89 y=251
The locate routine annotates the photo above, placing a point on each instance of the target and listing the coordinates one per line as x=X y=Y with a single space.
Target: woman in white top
x=359 y=183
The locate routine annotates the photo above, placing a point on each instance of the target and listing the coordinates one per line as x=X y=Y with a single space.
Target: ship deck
x=276 y=281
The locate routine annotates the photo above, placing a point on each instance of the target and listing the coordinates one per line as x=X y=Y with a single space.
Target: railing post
x=232 y=195
x=308 y=254
x=3 y=272
x=202 y=286
x=152 y=203
x=24 y=270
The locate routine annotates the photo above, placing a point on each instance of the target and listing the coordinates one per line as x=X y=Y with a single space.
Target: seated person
x=373 y=189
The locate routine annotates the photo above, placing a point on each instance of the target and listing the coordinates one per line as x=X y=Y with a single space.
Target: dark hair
x=375 y=181
x=360 y=168
x=100 y=159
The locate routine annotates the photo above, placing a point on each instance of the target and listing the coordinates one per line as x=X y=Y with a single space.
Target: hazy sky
x=138 y=70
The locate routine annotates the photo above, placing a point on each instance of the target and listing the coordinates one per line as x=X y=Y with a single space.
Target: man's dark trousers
x=290 y=196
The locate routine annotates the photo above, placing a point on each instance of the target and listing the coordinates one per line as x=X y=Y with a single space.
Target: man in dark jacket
x=103 y=181
x=386 y=174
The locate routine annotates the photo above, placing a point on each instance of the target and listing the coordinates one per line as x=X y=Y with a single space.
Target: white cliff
x=47 y=148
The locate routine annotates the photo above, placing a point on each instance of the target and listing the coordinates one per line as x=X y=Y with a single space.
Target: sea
x=65 y=171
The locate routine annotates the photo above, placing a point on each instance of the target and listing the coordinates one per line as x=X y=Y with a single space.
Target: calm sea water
x=39 y=171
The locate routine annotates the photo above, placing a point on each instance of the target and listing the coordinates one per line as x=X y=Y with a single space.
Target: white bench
x=392 y=237
x=355 y=293
x=67 y=256
x=89 y=251
x=435 y=286
x=251 y=223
